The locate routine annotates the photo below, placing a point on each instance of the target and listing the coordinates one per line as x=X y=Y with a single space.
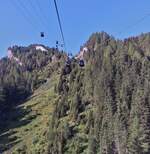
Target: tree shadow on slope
x=13 y=119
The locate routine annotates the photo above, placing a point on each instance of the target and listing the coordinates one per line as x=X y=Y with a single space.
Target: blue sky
x=21 y=21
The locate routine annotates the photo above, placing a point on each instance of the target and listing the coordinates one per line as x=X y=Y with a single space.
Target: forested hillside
x=101 y=108
x=104 y=108
x=19 y=81
x=24 y=71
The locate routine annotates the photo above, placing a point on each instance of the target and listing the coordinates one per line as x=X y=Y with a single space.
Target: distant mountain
x=49 y=106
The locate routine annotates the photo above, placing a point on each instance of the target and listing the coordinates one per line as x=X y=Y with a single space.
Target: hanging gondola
x=42 y=34
x=81 y=63
x=68 y=60
x=57 y=43
x=67 y=68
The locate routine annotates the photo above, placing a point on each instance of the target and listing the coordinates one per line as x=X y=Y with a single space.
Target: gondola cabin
x=81 y=63
x=57 y=44
x=68 y=62
x=42 y=34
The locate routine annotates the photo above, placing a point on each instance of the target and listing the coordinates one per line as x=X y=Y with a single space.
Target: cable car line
x=29 y=15
x=27 y=10
x=43 y=22
x=60 y=25
x=130 y=26
x=17 y=7
x=136 y=23
x=41 y=11
x=38 y=15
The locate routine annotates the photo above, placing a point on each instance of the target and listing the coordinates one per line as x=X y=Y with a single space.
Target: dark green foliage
x=2 y=95
x=102 y=108
x=18 y=82
x=108 y=102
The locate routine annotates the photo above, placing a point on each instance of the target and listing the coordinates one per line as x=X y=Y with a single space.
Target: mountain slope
x=27 y=97
x=29 y=121
x=101 y=108
x=105 y=107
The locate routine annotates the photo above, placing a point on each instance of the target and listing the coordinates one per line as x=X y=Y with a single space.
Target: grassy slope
x=29 y=129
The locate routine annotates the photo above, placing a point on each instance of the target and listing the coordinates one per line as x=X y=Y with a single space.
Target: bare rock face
x=10 y=54
x=81 y=53
x=41 y=48
x=54 y=59
x=12 y=57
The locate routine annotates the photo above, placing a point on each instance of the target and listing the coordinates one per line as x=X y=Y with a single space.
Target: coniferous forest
x=48 y=107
